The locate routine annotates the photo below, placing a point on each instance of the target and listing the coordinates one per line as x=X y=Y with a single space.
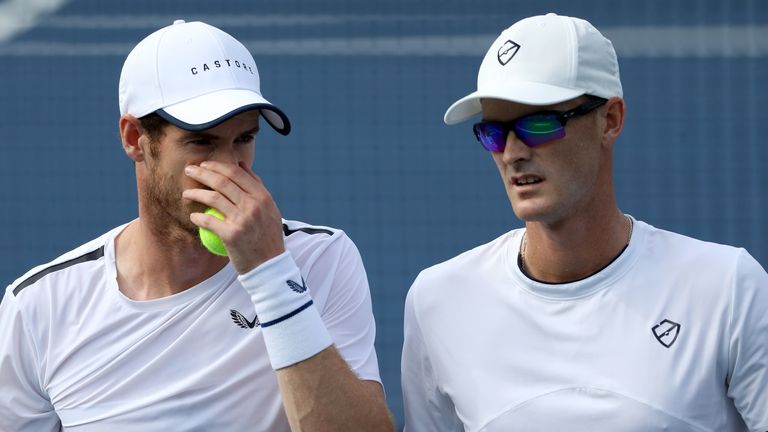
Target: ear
x=133 y=137
x=614 y=120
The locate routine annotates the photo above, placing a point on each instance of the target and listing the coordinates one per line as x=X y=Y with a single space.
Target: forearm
x=319 y=390
x=323 y=394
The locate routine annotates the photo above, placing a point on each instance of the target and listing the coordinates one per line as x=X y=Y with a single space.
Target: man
x=143 y=329
x=586 y=319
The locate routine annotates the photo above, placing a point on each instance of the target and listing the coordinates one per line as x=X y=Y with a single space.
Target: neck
x=575 y=248
x=151 y=264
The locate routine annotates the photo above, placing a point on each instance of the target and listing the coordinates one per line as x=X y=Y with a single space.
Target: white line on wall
x=17 y=16
x=630 y=42
x=127 y=21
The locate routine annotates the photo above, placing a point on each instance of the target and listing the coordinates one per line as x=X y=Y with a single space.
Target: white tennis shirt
x=671 y=336
x=76 y=352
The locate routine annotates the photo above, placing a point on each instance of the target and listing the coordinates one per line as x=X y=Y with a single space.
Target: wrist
x=292 y=327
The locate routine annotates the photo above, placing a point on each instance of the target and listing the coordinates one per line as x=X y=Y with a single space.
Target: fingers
x=216 y=181
x=209 y=222
x=211 y=199
x=239 y=175
x=232 y=185
x=252 y=229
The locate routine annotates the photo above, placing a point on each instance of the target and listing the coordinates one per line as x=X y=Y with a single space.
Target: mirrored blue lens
x=492 y=135
x=532 y=130
x=538 y=129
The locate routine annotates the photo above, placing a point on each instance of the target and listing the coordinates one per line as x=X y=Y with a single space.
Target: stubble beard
x=168 y=211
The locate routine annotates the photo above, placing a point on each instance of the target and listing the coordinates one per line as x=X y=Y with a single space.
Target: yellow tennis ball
x=210 y=240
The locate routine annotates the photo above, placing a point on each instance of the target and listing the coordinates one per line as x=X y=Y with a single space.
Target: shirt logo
x=241 y=321
x=507 y=51
x=296 y=287
x=666 y=332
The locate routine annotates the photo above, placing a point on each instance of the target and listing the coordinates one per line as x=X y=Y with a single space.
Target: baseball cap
x=196 y=77
x=543 y=60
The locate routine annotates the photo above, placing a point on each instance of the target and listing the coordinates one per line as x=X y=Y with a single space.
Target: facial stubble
x=165 y=207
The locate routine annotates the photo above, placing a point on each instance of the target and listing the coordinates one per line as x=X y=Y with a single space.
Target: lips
x=527 y=179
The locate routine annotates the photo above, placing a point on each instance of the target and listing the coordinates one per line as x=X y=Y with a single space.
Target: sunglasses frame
x=562 y=117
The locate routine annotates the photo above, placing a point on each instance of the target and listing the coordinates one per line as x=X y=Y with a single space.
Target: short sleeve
x=748 y=347
x=24 y=406
x=426 y=407
x=339 y=274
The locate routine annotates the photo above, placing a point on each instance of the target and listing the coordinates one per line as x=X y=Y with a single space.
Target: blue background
x=366 y=85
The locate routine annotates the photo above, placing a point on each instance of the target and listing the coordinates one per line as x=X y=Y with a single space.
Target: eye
x=201 y=142
x=246 y=139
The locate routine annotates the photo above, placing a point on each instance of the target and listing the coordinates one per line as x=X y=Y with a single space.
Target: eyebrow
x=210 y=136
x=252 y=131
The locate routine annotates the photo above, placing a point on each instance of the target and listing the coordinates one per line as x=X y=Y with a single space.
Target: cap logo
x=218 y=64
x=507 y=51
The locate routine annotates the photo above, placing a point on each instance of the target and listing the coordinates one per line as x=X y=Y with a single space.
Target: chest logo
x=242 y=321
x=666 y=332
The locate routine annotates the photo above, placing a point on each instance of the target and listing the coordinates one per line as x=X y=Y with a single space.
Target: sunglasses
x=534 y=129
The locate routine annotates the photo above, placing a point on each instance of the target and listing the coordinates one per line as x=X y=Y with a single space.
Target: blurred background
x=366 y=84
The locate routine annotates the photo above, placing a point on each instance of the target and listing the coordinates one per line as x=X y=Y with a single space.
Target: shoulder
x=77 y=262
x=472 y=260
x=718 y=272
x=292 y=227
x=312 y=245
x=330 y=262
x=688 y=250
x=467 y=269
x=300 y=236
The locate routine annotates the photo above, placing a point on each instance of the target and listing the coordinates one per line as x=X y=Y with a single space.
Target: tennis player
x=587 y=319
x=143 y=329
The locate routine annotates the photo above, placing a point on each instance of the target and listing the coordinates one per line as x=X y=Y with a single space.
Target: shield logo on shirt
x=666 y=332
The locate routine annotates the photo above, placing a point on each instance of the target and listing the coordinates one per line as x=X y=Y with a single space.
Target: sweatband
x=292 y=328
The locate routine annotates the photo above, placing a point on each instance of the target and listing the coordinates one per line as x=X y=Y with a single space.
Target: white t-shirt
x=76 y=353
x=671 y=336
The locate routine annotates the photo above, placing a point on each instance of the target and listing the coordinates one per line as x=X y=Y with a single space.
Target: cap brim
x=527 y=93
x=212 y=109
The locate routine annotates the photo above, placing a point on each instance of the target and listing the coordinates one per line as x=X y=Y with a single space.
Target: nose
x=515 y=149
x=227 y=154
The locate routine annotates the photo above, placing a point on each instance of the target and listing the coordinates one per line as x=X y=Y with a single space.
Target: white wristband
x=292 y=328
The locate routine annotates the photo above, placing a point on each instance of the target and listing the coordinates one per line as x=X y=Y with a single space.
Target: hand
x=252 y=226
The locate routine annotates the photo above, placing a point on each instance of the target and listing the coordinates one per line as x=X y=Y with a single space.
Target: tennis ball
x=210 y=240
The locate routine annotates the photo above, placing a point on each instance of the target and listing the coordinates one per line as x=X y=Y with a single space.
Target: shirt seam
x=36 y=351
x=513 y=407
x=436 y=379
x=729 y=330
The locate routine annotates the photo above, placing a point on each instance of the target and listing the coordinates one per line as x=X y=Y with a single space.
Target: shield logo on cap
x=507 y=51
x=666 y=332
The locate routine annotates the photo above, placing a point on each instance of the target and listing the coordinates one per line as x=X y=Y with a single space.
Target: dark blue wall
x=366 y=85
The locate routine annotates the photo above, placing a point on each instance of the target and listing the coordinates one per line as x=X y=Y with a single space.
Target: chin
x=532 y=211
x=186 y=224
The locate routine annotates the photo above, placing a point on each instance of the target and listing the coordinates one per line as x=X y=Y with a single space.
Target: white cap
x=194 y=76
x=543 y=60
